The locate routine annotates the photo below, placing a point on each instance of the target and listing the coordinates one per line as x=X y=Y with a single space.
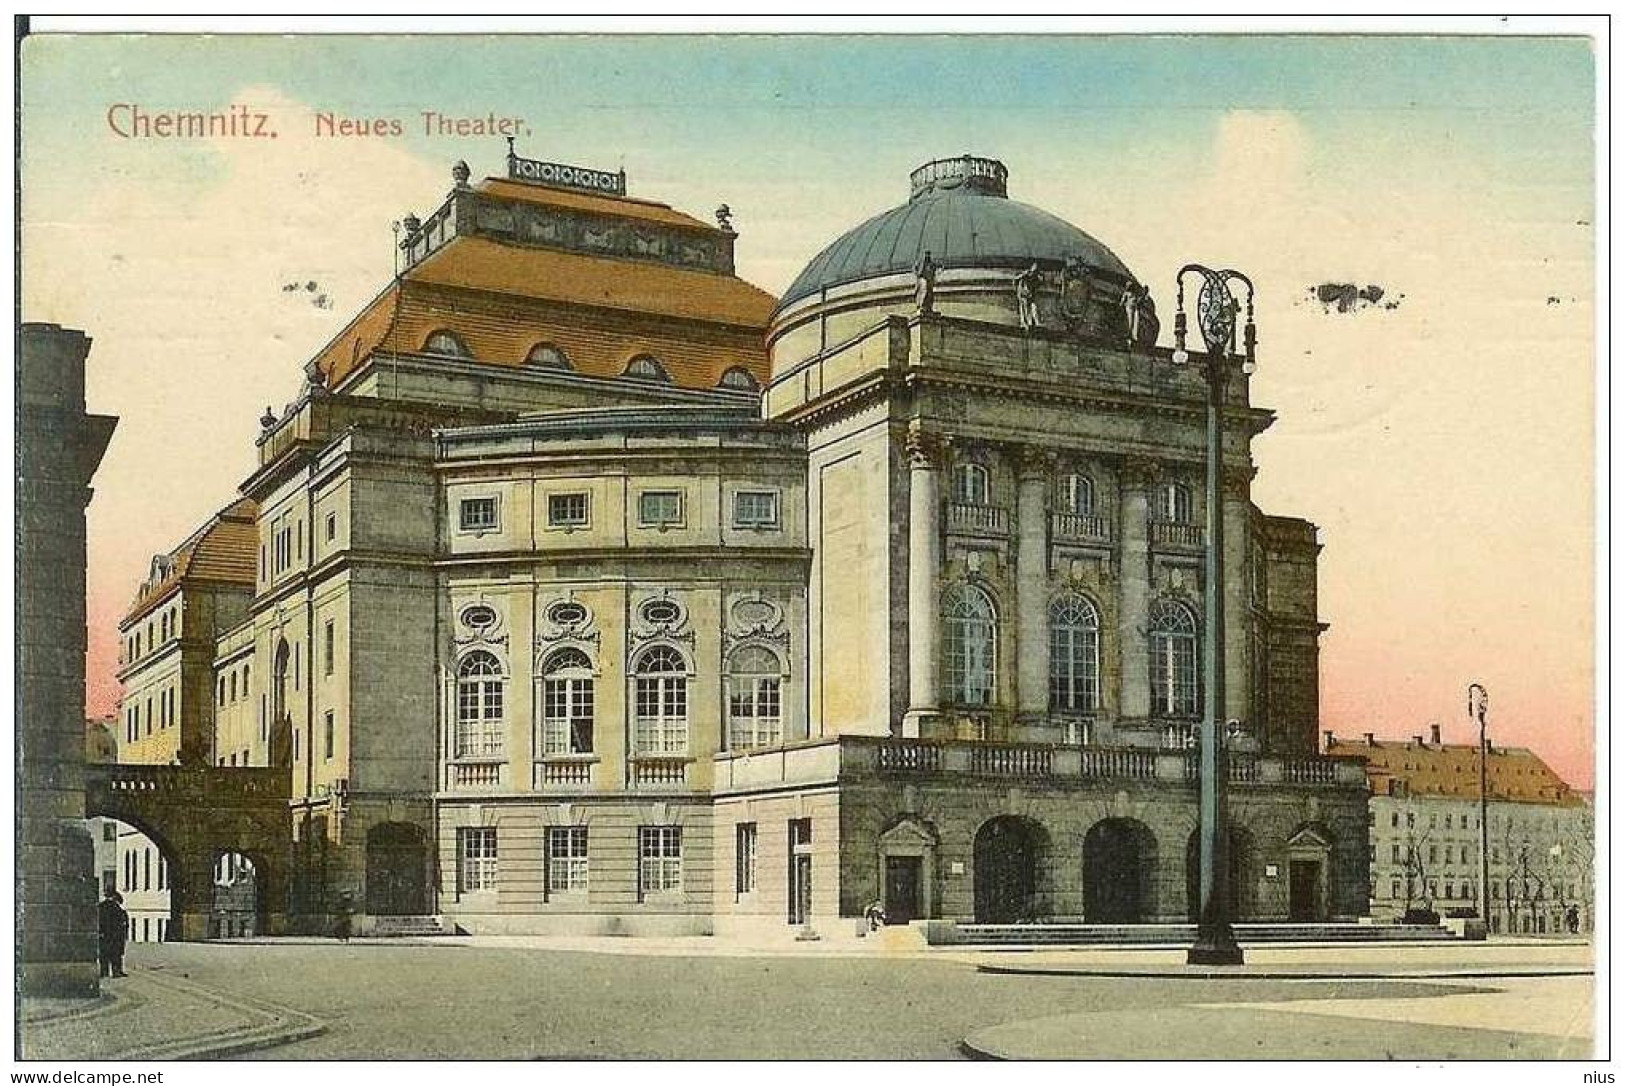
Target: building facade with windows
x=598 y=590
x=1425 y=835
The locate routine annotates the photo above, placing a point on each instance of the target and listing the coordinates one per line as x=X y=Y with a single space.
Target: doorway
x=1007 y=854
x=1303 y=891
x=397 y=863
x=1119 y=866
x=903 y=878
x=800 y=888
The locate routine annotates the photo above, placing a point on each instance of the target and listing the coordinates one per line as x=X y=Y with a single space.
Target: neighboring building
x=596 y=591
x=1425 y=837
x=143 y=879
x=167 y=641
x=59 y=446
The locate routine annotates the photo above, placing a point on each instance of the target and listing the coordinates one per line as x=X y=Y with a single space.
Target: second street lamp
x=1216 y=310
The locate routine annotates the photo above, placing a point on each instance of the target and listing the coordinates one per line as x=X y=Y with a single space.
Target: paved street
x=471 y=1001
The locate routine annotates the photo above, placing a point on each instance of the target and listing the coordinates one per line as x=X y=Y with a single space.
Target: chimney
x=1433 y=730
x=1370 y=739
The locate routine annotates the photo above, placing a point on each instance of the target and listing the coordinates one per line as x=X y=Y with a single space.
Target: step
x=398 y=926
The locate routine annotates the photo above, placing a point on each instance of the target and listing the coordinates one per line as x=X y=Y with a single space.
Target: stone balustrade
x=1080 y=526
x=978 y=519
x=1169 y=533
x=828 y=759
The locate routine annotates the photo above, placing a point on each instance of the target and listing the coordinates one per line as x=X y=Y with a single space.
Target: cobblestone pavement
x=527 y=999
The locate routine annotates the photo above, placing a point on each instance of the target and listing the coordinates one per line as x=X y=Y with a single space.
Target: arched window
x=969 y=640
x=1074 y=655
x=444 y=342
x=1077 y=494
x=1174 y=503
x=550 y=355
x=567 y=703
x=740 y=378
x=648 y=368
x=755 y=703
x=1173 y=660
x=660 y=696
x=972 y=485
x=479 y=707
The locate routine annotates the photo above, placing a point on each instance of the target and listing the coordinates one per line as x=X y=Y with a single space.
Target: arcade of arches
x=1137 y=866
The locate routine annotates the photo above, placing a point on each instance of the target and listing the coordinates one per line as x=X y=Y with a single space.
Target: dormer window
x=549 y=355
x=647 y=367
x=446 y=343
x=741 y=379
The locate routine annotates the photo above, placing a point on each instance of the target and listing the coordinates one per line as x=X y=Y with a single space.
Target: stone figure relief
x=925 y=284
x=1027 y=297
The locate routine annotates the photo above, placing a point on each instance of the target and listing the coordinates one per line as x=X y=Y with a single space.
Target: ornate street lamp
x=1478 y=707
x=1216 y=310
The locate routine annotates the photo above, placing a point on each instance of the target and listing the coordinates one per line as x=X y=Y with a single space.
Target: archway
x=1241 y=852
x=145 y=874
x=397 y=870
x=1009 y=856
x=238 y=906
x=1119 y=871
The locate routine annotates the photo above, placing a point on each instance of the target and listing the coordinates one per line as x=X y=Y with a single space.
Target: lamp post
x=1478 y=706
x=1216 y=310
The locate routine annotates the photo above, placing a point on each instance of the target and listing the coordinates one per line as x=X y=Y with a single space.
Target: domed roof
x=959 y=212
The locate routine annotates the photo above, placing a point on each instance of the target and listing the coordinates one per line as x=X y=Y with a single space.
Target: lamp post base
x=1214 y=946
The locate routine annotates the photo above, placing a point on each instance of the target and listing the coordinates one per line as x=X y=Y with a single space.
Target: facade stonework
x=594 y=591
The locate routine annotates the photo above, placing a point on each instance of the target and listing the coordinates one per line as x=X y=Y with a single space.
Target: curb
x=1178 y=973
x=277 y=1025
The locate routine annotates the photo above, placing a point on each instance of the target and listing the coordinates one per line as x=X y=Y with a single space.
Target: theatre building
x=598 y=590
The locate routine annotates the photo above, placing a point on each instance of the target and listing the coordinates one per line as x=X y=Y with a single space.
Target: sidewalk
x=156 y=1014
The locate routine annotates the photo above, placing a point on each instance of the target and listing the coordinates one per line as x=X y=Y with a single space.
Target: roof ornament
x=925 y=284
x=315 y=379
x=268 y=419
x=460 y=174
x=411 y=224
x=725 y=218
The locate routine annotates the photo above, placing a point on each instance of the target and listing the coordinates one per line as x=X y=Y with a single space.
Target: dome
x=959 y=212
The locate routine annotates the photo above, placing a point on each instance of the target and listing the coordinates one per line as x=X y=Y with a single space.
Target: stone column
x=1134 y=692
x=1032 y=586
x=924 y=577
x=1238 y=643
x=59 y=447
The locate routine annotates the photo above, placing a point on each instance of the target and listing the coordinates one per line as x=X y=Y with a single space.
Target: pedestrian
x=875 y=916
x=341 y=919
x=1573 y=918
x=113 y=925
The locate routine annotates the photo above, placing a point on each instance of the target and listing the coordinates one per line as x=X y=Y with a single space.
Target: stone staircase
x=406 y=927
x=1178 y=934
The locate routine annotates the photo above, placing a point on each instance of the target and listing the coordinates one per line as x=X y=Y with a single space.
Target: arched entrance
x=1242 y=853
x=1009 y=856
x=145 y=874
x=1119 y=870
x=397 y=870
x=238 y=908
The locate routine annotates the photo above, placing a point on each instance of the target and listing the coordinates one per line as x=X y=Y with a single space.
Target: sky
x=1442 y=437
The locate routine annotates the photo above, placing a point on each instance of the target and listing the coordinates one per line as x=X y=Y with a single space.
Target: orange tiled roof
x=224 y=549
x=623 y=207
x=577 y=279
x=1451 y=770
x=503 y=300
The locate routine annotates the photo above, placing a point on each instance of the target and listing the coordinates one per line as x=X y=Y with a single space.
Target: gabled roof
x=1409 y=767
x=224 y=550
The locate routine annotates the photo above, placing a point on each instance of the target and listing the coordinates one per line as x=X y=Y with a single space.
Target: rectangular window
x=567 y=510
x=477 y=515
x=332 y=526
x=1394 y=890
x=476 y=858
x=745 y=858
x=296 y=745
x=753 y=711
x=660 y=859
x=327 y=648
x=660 y=508
x=566 y=859
x=756 y=509
x=327 y=733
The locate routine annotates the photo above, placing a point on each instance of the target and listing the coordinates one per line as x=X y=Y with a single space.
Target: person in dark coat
x=114 y=925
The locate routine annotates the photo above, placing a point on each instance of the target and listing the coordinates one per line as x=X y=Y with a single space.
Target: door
x=800 y=889
x=1303 y=890
x=902 y=889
